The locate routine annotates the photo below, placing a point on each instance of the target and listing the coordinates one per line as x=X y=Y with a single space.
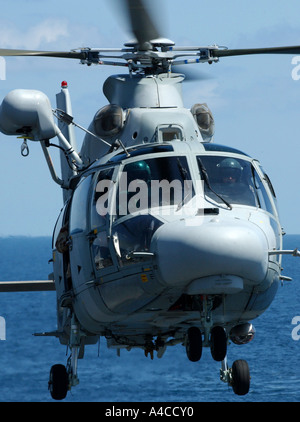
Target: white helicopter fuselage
x=156 y=268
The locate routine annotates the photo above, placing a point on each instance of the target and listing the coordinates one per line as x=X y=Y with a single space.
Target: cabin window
x=169 y=133
x=78 y=217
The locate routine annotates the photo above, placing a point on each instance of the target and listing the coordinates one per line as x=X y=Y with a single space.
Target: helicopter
x=165 y=237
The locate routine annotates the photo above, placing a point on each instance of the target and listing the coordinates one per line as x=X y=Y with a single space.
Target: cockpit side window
x=269 y=183
x=78 y=217
x=58 y=226
x=100 y=211
x=100 y=198
x=264 y=200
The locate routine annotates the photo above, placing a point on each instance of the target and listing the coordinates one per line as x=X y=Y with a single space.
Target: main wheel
x=194 y=344
x=58 y=382
x=218 y=343
x=240 y=377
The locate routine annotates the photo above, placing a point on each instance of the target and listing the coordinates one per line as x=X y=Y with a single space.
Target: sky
x=254 y=99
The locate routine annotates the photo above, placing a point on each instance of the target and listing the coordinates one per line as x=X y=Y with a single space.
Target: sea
x=25 y=360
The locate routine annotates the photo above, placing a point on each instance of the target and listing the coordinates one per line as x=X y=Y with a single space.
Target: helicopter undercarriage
x=192 y=335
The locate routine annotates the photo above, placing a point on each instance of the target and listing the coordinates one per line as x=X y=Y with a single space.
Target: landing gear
x=194 y=344
x=63 y=378
x=217 y=342
x=238 y=377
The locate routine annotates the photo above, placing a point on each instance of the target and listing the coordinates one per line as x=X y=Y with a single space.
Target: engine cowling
x=205 y=121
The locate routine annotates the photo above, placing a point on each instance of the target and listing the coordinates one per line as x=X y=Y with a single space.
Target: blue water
x=25 y=360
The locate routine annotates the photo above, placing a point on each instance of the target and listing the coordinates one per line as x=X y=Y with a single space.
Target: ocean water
x=25 y=360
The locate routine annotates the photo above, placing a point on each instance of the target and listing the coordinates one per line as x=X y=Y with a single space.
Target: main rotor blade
x=245 y=51
x=61 y=54
x=142 y=24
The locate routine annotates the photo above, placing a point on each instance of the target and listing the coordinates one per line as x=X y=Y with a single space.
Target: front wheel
x=58 y=382
x=240 y=377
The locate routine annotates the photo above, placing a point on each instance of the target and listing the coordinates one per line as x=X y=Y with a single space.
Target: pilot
x=139 y=170
x=137 y=194
x=232 y=184
x=230 y=171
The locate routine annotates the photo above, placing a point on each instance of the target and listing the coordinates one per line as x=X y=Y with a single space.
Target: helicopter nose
x=187 y=253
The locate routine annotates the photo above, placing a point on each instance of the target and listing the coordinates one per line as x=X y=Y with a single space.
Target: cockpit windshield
x=234 y=180
x=151 y=183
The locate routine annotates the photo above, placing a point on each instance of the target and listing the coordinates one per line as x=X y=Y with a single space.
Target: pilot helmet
x=230 y=169
x=139 y=170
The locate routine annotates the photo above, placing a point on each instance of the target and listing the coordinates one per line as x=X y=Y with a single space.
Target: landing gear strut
x=62 y=378
x=237 y=377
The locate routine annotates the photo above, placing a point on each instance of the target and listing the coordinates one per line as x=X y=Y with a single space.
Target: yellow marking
x=25 y=137
x=144 y=278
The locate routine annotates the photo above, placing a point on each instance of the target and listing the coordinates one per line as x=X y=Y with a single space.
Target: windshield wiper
x=184 y=174
x=206 y=181
x=183 y=170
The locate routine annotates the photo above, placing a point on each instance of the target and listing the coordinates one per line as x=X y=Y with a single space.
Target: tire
x=240 y=377
x=194 y=344
x=218 y=343
x=58 y=382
